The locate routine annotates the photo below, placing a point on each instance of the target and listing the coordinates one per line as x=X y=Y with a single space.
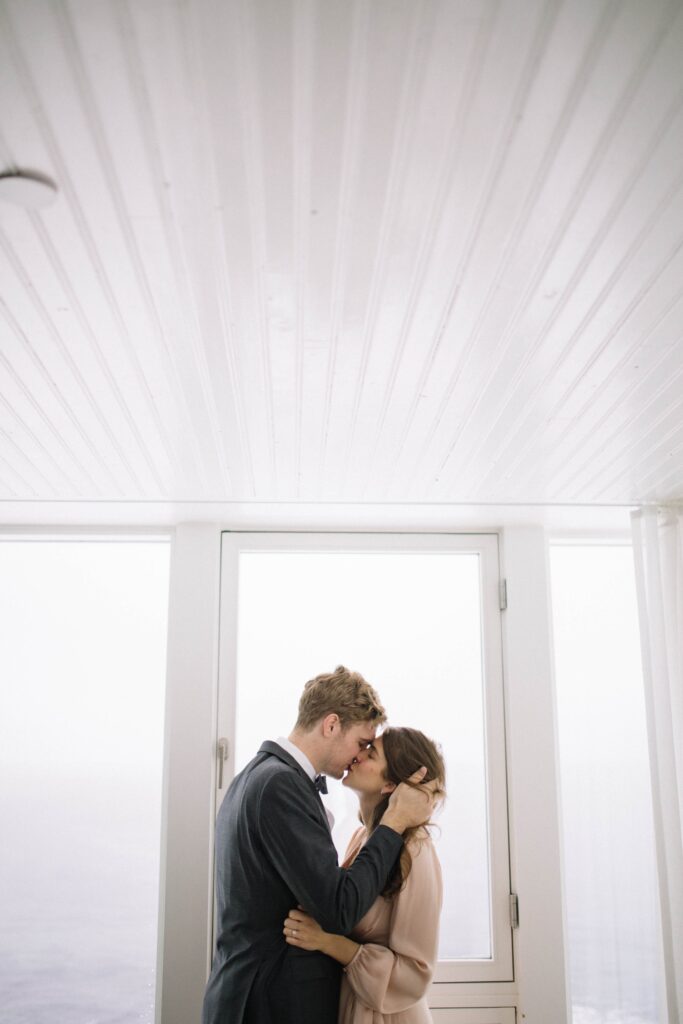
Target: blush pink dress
x=388 y=979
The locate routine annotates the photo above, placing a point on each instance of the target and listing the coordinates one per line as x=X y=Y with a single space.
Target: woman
x=389 y=959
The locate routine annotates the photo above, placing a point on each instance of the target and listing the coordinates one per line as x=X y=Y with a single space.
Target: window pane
x=411 y=624
x=82 y=659
x=609 y=863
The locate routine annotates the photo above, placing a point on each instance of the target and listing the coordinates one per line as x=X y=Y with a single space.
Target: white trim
x=86 y=534
x=468 y=995
x=187 y=816
x=227 y=663
x=535 y=846
x=588 y=538
x=358 y=516
x=486 y=1014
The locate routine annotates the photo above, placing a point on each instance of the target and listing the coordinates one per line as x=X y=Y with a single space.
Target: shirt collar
x=298 y=756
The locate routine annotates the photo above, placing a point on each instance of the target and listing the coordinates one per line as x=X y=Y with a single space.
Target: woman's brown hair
x=406 y=750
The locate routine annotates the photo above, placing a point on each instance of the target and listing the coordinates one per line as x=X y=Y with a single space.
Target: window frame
x=539 y=991
x=500 y=967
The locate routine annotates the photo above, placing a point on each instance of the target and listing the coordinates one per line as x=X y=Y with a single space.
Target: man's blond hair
x=342 y=692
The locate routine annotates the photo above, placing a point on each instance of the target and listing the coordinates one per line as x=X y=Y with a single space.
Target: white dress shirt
x=301 y=759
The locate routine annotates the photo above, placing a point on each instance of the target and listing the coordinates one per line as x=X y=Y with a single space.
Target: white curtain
x=658 y=551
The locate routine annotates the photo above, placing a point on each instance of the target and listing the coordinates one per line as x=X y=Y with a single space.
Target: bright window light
x=411 y=623
x=82 y=661
x=609 y=862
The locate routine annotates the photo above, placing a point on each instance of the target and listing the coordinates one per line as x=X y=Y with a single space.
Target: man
x=274 y=851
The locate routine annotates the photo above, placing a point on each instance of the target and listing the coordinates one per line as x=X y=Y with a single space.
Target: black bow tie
x=320 y=783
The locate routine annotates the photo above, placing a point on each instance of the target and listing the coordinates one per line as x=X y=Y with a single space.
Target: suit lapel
x=275 y=750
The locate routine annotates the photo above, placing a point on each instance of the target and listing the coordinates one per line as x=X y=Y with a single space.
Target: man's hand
x=410 y=804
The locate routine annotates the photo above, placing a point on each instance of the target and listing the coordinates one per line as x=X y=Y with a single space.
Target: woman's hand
x=303 y=931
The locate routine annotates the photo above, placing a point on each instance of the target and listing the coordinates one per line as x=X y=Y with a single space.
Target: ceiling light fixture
x=29 y=189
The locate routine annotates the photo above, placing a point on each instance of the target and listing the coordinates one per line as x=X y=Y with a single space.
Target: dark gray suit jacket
x=274 y=851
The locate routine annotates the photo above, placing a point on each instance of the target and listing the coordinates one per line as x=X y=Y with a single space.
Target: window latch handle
x=222 y=755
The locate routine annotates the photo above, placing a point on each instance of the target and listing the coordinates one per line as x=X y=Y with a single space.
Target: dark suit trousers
x=305 y=992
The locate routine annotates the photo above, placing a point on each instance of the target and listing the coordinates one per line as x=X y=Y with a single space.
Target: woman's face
x=367 y=775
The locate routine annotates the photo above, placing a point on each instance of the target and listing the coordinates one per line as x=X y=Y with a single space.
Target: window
x=419 y=618
x=609 y=860
x=82 y=658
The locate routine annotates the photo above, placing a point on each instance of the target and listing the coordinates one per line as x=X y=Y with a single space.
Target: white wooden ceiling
x=382 y=251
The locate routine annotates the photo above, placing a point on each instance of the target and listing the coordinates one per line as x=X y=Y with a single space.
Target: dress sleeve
x=389 y=979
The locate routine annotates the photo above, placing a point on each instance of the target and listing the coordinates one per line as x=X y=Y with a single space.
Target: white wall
x=187 y=822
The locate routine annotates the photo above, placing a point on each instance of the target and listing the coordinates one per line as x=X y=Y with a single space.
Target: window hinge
x=503 y=594
x=514 y=910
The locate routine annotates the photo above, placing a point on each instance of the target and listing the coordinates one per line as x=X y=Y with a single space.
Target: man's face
x=345 y=745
